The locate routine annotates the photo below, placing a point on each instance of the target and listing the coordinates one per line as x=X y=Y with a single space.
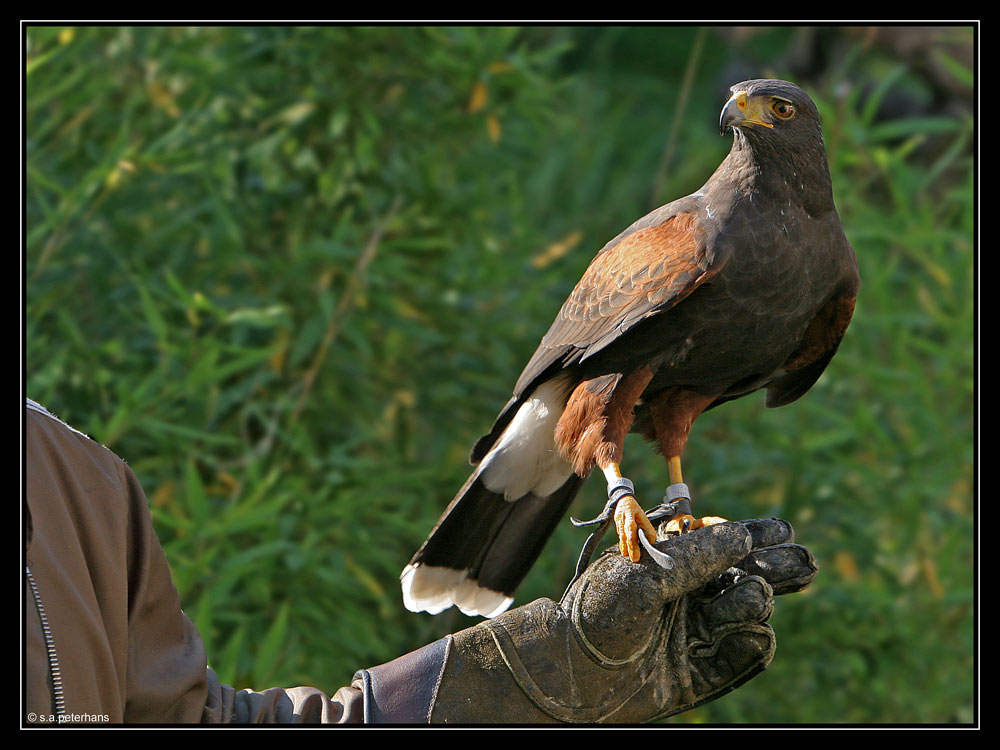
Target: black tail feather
x=495 y=540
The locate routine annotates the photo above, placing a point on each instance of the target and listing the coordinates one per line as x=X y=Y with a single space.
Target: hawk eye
x=784 y=110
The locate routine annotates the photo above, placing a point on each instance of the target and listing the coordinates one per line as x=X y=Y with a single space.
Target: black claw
x=604 y=517
x=666 y=511
x=662 y=559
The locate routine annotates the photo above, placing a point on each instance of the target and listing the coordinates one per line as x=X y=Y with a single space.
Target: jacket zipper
x=50 y=648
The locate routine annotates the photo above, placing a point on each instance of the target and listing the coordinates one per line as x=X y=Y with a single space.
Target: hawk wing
x=646 y=270
x=818 y=345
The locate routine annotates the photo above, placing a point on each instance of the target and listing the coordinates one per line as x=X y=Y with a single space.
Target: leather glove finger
x=750 y=600
x=786 y=566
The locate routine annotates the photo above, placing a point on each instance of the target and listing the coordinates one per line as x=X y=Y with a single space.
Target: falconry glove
x=628 y=642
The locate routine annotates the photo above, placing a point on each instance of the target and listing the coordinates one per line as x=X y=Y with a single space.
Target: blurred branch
x=355 y=282
x=682 y=99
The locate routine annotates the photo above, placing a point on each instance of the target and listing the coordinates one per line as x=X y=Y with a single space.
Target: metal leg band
x=676 y=492
x=619 y=488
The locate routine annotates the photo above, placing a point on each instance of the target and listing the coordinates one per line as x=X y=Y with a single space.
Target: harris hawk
x=747 y=283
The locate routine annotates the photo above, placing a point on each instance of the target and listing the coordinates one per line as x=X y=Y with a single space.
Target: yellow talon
x=676 y=524
x=629 y=520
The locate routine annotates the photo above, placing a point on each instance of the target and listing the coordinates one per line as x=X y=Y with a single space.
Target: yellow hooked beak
x=741 y=110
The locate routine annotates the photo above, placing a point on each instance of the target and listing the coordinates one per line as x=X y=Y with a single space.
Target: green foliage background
x=290 y=274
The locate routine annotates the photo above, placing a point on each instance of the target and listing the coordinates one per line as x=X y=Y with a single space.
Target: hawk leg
x=683 y=522
x=591 y=432
x=629 y=517
x=672 y=413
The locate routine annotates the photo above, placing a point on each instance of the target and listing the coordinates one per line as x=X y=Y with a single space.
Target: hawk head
x=771 y=110
x=777 y=128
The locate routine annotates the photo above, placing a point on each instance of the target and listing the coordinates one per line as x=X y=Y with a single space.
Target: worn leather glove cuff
x=402 y=691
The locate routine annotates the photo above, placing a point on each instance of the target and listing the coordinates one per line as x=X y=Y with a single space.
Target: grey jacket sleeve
x=300 y=705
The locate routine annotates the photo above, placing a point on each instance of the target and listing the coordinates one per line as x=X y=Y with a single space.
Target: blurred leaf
x=272 y=648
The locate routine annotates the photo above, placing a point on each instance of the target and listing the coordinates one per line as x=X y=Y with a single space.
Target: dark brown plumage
x=748 y=283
